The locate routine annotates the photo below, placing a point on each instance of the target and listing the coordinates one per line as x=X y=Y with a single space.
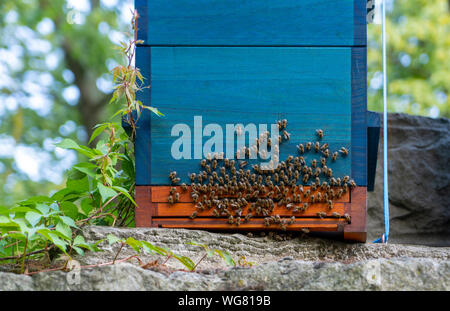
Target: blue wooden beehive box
x=252 y=61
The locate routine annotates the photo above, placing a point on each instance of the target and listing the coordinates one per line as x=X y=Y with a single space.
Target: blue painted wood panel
x=311 y=87
x=252 y=22
x=359 y=115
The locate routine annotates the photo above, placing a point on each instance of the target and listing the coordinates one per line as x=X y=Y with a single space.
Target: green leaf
x=62 y=245
x=78 y=185
x=68 y=144
x=99 y=129
x=154 y=110
x=78 y=250
x=86 y=206
x=4 y=210
x=125 y=193
x=69 y=209
x=79 y=239
x=227 y=257
x=86 y=168
x=105 y=192
x=135 y=244
x=186 y=261
x=148 y=247
x=33 y=218
x=68 y=221
x=64 y=230
x=112 y=239
x=44 y=209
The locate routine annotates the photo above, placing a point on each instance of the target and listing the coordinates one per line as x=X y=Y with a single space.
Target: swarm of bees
x=239 y=192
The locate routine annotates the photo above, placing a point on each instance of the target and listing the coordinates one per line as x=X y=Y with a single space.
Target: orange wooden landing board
x=155 y=211
x=161 y=193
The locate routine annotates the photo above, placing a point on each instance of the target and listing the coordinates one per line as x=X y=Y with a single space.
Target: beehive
x=242 y=62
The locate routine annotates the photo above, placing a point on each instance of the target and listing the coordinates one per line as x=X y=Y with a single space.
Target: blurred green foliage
x=66 y=54
x=418 y=60
x=62 y=58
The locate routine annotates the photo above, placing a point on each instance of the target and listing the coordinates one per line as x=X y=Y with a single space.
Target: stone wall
x=419 y=182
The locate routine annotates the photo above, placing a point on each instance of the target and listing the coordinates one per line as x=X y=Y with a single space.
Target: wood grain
x=186 y=209
x=256 y=224
x=252 y=22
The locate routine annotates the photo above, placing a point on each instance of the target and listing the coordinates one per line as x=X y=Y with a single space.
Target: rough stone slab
x=419 y=182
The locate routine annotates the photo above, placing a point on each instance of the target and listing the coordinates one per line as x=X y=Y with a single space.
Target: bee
x=332 y=181
x=345 y=188
x=348 y=218
x=292 y=220
x=192 y=177
x=305 y=169
x=194 y=197
x=326 y=153
x=317 y=180
x=238 y=221
x=344 y=151
x=340 y=192
x=321 y=215
x=301 y=148
x=308 y=146
x=319 y=133
x=248 y=217
x=176 y=180
x=289 y=206
x=324 y=146
x=203 y=163
x=313 y=198
x=286 y=135
x=305 y=206
x=345 y=179
x=314 y=163
x=334 y=156
x=172 y=175
x=336 y=215
x=338 y=181
x=317 y=146
x=330 y=204
x=215 y=213
x=214 y=164
x=323 y=162
x=233 y=170
x=352 y=183
x=177 y=197
x=307 y=193
x=226 y=163
x=284 y=123
x=305 y=230
x=170 y=199
x=208 y=168
x=267 y=221
x=172 y=190
x=231 y=220
x=313 y=186
x=194 y=215
x=184 y=187
x=319 y=196
x=330 y=172
x=317 y=172
x=305 y=178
